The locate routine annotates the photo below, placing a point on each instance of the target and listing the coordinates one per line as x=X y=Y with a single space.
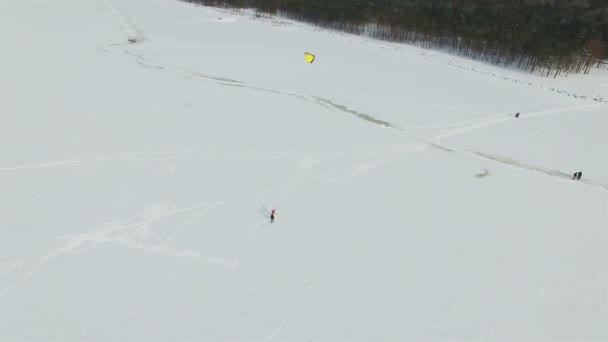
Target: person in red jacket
x=272 y=215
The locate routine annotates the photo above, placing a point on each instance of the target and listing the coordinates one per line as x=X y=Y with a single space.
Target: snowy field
x=136 y=180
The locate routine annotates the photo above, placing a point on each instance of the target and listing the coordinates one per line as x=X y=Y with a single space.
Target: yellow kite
x=309 y=57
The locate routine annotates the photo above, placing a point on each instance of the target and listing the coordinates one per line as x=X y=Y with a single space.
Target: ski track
x=134 y=156
x=369 y=165
x=134 y=235
x=41 y=165
x=484 y=123
x=14 y=266
x=220 y=153
x=274 y=333
x=171 y=238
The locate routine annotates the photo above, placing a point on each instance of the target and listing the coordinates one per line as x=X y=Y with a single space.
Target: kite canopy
x=309 y=57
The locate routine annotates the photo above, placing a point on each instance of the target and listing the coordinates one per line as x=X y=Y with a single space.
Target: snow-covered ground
x=136 y=180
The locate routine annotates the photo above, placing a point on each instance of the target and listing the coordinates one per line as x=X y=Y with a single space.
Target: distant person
x=580 y=174
x=272 y=215
x=575 y=175
x=517 y=115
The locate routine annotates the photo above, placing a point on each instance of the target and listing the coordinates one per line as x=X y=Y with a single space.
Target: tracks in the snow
x=451 y=130
x=549 y=172
x=136 y=233
x=136 y=36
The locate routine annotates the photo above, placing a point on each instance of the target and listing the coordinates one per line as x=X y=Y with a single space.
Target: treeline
x=550 y=36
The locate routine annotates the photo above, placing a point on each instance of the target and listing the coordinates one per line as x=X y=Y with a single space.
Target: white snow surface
x=136 y=180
